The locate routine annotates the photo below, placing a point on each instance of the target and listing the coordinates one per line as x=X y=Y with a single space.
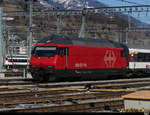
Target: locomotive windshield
x=44 y=51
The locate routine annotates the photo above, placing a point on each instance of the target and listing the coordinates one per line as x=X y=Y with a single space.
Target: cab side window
x=62 y=51
x=123 y=53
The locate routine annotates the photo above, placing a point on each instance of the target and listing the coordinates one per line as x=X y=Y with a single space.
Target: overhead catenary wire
x=127 y=1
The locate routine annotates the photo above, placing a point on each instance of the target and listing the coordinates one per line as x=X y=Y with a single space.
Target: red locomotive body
x=56 y=57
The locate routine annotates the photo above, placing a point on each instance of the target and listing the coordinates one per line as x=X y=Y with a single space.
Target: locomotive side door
x=134 y=60
x=64 y=52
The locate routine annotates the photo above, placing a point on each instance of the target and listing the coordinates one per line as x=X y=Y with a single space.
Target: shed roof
x=144 y=94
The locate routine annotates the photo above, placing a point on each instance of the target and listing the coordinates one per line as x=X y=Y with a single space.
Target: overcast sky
x=144 y=17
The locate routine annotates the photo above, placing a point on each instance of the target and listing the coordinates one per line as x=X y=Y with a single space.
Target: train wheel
x=37 y=78
x=40 y=79
x=52 y=78
x=33 y=76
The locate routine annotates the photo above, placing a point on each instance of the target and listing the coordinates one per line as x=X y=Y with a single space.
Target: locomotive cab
x=44 y=60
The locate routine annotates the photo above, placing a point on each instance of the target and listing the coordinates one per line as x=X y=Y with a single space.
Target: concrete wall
x=137 y=104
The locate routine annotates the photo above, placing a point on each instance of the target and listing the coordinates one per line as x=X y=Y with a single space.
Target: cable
x=146 y=1
x=130 y=2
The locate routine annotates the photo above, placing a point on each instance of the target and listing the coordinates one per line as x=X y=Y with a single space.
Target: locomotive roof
x=54 y=39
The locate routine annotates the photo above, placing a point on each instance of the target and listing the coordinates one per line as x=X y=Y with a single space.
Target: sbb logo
x=110 y=58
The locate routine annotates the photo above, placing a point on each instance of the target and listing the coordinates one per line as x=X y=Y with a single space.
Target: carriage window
x=147 y=57
x=143 y=57
x=135 y=57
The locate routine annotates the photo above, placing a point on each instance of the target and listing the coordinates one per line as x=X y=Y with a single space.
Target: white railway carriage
x=139 y=60
x=16 y=61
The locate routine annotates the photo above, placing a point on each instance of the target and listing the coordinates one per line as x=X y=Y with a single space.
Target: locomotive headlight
x=32 y=66
x=50 y=66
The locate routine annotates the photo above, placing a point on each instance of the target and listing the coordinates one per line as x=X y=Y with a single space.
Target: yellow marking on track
x=107 y=90
x=14 y=87
x=92 y=90
x=1 y=87
x=100 y=90
x=65 y=89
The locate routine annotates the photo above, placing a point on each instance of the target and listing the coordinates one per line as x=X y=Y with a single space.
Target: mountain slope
x=46 y=25
x=71 y=4
x=79 y=4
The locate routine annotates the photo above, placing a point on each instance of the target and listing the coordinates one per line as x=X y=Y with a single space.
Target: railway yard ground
x=19 y=94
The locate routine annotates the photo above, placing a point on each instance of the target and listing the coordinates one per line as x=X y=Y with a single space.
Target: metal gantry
x=88 y=11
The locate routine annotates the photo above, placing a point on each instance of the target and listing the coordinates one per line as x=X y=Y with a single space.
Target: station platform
x=137 y=100
x=5 y=71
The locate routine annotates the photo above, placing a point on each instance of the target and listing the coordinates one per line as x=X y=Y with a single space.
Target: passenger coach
x=56 y=57
x=139 y=61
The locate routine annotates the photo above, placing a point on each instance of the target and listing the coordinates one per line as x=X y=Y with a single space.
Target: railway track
x=29 y=81
x=46 y=101
x=96 y=104
x=66 y=96
x=38 y=100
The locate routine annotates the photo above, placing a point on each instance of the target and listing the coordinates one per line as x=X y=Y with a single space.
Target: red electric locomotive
x=55 y=57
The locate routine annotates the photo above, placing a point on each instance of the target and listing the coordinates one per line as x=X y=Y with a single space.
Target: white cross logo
x=109 y=58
